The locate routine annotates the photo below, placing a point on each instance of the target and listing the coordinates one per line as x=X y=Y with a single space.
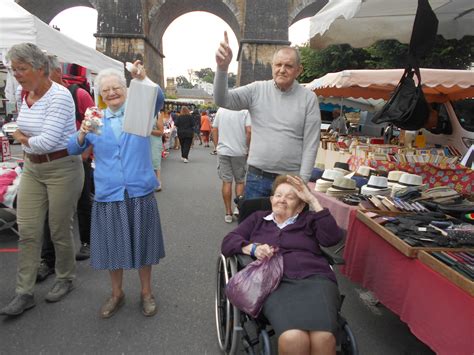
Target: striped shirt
x=49 y=122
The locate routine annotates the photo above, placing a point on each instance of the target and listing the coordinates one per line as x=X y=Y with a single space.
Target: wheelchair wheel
x=227 y=316
x=348 y=344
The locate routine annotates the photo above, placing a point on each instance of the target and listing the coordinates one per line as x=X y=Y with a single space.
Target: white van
x=455 y=125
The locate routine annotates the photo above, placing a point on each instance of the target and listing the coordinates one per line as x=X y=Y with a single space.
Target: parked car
x=8 y=129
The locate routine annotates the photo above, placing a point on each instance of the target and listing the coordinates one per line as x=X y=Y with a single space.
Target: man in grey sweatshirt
x=286 y=120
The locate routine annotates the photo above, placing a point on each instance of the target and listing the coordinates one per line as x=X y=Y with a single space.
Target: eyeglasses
x=111 y=90
x=19 y=70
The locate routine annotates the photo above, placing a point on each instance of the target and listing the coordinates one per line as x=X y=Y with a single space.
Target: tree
x=206 y=75
x=232 y=80
x=182 y=82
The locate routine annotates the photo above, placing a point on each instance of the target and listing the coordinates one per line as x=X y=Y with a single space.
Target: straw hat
x=407 y=180
x=327 y=179
x=342 y=186
x=377 y=185
x=342 y=167
x=364 y=171
x=394 y=176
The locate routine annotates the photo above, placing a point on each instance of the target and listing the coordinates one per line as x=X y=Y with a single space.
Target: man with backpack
x=82 y=100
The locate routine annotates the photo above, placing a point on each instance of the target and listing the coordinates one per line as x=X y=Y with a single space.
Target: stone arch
x=304 y=9
x=46 y=10
x=162 y=15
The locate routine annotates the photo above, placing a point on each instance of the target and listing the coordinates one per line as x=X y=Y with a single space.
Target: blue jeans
x=257 y=186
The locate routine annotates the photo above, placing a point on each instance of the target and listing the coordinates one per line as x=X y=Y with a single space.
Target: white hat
x=364 y=171
x=394 y=176
x=342 y=186
x=327 y=179
x=377 y=185
x=407 y=180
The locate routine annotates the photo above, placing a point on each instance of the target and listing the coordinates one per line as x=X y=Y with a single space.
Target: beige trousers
x=55 y=187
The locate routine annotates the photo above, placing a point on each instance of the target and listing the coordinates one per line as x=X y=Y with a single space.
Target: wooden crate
x=395 y=241
x=451 y=274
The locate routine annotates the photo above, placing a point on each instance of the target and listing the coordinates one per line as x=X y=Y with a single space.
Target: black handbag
x=407 y=108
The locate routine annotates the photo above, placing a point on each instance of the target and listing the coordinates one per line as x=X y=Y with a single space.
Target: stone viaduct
x=129 y=29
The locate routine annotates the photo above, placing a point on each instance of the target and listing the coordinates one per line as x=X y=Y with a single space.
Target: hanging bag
x=249 y=288
x=407 y=108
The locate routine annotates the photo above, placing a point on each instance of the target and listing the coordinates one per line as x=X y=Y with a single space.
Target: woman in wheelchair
x=303 y=309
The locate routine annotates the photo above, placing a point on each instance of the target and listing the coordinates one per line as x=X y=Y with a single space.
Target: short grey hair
x=29 y=53
x=105 y=73
x=53 y=62
x=288 y=48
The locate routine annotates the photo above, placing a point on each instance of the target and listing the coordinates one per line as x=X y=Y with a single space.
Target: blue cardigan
x=123 y=164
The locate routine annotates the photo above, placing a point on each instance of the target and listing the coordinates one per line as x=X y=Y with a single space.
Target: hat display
x=407 y=180
x=394 y=176
x=342 y=186
x=327 y=179
x=377 y=185
x=364 y=171
x=342 y=167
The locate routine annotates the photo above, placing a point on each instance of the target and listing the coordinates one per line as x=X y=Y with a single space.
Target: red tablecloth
x=455 y=176
x=339 y=210
x=438 y=312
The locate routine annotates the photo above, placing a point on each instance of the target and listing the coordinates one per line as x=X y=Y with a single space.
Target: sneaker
x=185 y=160
x=60 y=289
x=44 y=271
x=236 y=211
x=84 y=252
x=214 y=152
x=228 y=218
x=18 y=305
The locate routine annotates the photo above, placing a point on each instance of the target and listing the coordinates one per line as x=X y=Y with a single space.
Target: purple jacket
x=298 y=242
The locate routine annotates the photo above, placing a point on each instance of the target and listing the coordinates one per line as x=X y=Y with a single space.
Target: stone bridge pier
x=131 y=29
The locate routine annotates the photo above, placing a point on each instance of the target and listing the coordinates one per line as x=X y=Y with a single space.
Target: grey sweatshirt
x=285 y=124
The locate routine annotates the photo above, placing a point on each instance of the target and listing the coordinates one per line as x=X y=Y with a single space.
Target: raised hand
x=224 y=54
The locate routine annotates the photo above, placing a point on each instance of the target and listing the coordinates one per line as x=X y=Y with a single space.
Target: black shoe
x=18 y=305
x=44 y=271
x=84 y=252
x=60 y=289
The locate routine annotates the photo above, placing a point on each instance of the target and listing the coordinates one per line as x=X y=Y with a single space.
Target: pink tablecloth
x=438 y=312
x=339 y=210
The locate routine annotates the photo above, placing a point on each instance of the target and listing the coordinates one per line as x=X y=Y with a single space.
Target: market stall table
x=437 y=311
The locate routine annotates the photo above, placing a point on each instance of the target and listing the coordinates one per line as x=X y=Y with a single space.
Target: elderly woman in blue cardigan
x=125 y=229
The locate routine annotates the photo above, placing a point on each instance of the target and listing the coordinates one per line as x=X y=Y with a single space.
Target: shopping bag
x=248 y=289
x=140 y=110
x=407 y=108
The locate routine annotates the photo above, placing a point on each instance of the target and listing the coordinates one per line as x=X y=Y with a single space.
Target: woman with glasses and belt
x=125 y=228
x=52 y=179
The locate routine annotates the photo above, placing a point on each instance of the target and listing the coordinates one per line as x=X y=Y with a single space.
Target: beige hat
x=394 y=176
x=377 y=185
x=327 y=179
x=342 y=186
x=364 y=171
x=407 y=180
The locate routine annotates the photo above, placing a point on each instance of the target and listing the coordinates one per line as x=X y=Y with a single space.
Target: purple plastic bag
x=248 y=289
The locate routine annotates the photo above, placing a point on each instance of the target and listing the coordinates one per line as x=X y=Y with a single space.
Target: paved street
x=193 y=222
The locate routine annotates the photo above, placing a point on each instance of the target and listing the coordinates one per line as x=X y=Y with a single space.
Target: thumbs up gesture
x=224 y=54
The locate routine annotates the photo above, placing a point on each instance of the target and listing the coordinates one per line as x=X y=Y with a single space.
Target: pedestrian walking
x=231 y=137
x=205 y=128
x=185 y=125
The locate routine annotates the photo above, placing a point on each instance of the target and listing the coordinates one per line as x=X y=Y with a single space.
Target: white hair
x=106 y=73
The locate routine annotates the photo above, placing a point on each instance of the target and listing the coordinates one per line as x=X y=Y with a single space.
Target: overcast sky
x=188 y=43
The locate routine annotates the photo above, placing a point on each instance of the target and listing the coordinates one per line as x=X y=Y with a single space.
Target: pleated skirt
x=126 y=234
x=310 y=304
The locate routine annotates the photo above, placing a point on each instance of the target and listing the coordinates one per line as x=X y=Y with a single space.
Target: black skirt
x=310 y=304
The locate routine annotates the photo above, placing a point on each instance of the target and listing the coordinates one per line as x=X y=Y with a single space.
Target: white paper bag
x=140 y=110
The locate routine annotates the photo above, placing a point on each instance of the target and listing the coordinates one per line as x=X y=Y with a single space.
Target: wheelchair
x=238 y=331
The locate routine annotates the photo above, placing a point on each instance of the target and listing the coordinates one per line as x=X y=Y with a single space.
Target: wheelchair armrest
x=332 y=258
x=243 y=260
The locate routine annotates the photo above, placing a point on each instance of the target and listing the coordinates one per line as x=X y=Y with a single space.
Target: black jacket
x=185 y=125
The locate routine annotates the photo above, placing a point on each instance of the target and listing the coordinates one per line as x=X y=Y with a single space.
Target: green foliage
x=206 y=75
x=182 y=82
x=447 y=54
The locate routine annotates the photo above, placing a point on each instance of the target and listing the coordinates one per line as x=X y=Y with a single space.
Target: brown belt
x=44 y=158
